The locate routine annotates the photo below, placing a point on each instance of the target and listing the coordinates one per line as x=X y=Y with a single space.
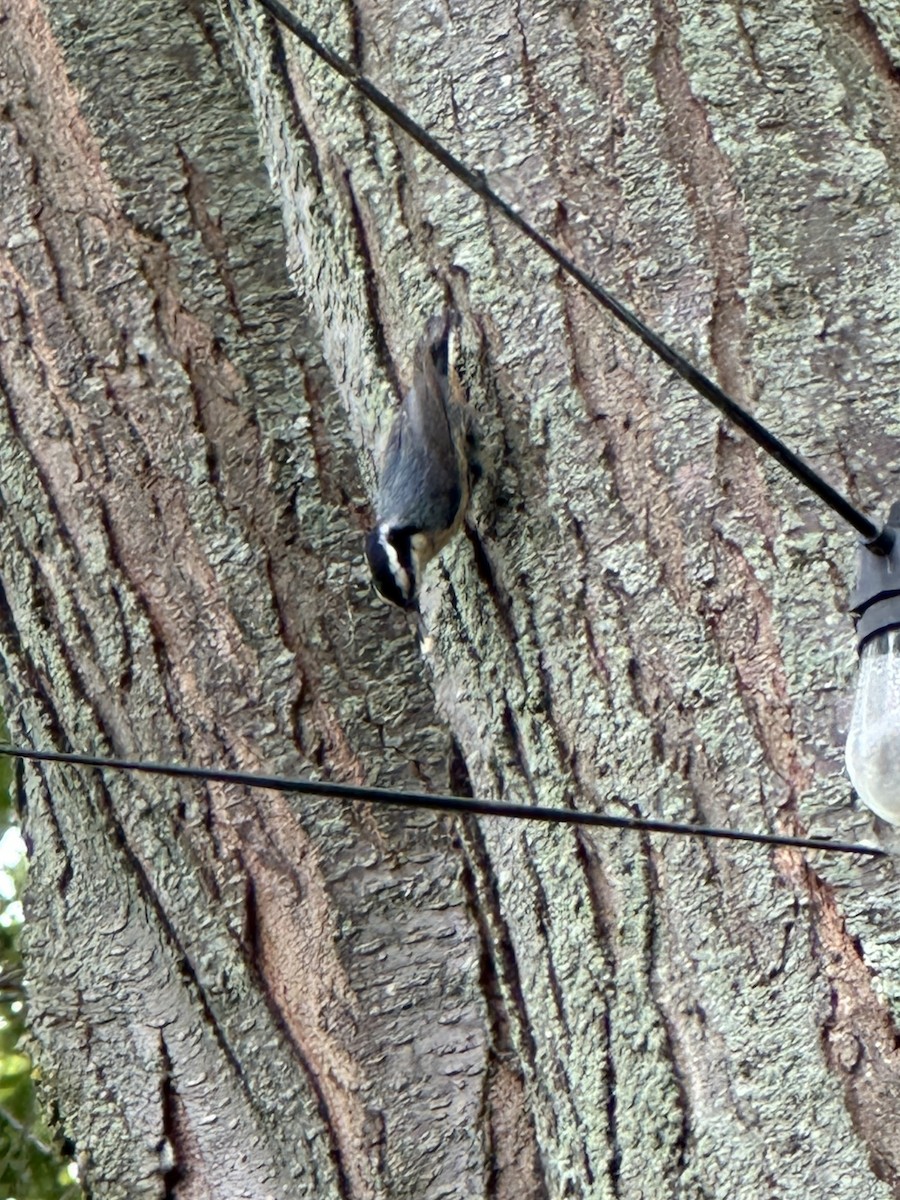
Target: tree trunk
x=241 y=995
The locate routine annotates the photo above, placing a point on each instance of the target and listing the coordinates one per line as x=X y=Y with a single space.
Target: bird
x=429 y=468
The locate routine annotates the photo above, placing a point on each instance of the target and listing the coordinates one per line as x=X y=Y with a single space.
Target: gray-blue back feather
x=421 y=484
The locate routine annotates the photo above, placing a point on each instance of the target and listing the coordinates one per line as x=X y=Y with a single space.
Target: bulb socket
x=875 y=601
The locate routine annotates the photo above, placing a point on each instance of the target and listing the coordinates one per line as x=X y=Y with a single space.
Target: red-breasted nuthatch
x=429 y=469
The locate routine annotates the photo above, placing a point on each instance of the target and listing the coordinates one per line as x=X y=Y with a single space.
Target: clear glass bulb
x=873 y=743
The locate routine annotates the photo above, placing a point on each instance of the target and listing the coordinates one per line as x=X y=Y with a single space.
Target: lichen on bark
x=236 y=996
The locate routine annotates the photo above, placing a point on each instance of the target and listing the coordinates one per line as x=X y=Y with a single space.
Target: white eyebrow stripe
x=397 y=569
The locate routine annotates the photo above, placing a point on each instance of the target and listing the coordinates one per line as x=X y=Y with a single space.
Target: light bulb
x=873 y=743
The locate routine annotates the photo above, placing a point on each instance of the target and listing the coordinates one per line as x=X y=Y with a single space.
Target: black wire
x=454 y=804
x=878 y=539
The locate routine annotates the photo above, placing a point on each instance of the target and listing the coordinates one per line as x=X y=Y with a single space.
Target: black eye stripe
x=389 y=584
x=401 y=540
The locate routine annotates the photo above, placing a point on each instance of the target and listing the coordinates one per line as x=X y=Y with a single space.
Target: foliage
x=30 y=1167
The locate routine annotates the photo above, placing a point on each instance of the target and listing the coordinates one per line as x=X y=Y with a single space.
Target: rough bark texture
x=241 y=996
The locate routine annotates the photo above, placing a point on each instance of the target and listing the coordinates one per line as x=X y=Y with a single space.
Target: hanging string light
x=873 y=742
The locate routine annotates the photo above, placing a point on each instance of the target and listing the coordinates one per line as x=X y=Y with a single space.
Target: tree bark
x=241 y=995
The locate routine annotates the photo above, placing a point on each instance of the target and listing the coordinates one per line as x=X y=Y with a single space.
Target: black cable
x=454 y=804
x=879 y=540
